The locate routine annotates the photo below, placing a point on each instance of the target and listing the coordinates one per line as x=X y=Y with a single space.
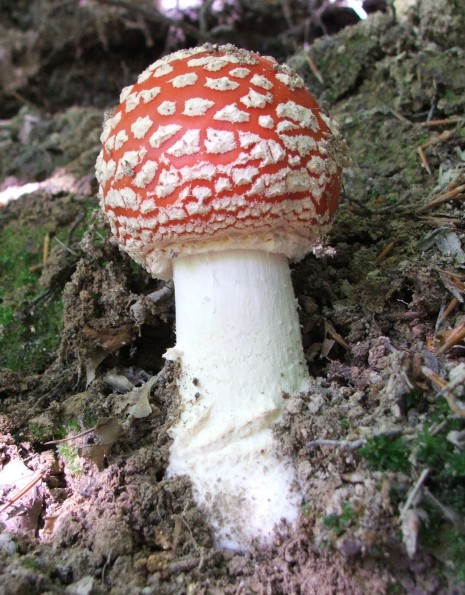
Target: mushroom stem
x=239 y=344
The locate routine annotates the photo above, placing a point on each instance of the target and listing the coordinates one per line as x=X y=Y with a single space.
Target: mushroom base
x=239 y=345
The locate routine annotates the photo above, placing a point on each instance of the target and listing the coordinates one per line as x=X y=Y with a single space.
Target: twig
x=349 y=444
x=453 y=338
x=424 y=160
x=384 y=252
x=414 y=492
x=442 y=221
x=98 y=426
x=65 y=247
x=184 y=564
x=447 y=512
x=354 y=444
x=105 y=566
x=313 y=67
x=40 y=297
x=448 y=310
x=21 y=493
x=439 y=138
x=176 y=536
x=203 y=15
x=445 y=389
x=445 y=196
x=22 y=99
x=46 y=249
x=74 y=226
x=332 y=332
x=434 y=140
x=442 y=122
x=433 y=377
x=287 y=12
x=400 y=116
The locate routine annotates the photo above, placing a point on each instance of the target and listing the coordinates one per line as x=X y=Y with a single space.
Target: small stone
x=85 y=586
x=157 y=562
x=7 y=544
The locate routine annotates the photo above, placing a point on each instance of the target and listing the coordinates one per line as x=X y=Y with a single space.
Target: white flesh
x=239 y=344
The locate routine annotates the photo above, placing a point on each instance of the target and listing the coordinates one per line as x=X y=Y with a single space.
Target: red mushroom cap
x=218 y=148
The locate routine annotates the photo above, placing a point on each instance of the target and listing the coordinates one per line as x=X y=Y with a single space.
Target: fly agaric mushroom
x=217 y=167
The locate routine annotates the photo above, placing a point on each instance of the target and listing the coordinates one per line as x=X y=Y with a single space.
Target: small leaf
x=108 y=430
x=141 y=407
x=95 y=453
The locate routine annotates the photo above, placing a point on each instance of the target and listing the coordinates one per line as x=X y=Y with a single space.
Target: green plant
x=306 y=509
x=456 y=541
x=395 y=589
x=339 y=523
x=344 y=422
x=39 y=433
x=29 y=327
x=444 y=541
x=30 y=564
x=70 y=454
x=438 y=453
x=31 y=317
x=385 y=453
x=414 y=398
x=446 y=482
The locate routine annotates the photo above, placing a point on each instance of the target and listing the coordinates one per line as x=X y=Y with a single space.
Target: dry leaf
x=95 y=453
x=119 y=383
x=410 y=527
x=108 y=430
x=111 y=339
x=136 y=403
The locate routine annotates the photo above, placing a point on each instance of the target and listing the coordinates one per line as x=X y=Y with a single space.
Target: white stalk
x=239 y=344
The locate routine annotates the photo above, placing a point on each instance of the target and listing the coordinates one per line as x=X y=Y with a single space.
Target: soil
x=86 y=398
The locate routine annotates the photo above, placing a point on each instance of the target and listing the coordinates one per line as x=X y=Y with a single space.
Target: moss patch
x=31 y=314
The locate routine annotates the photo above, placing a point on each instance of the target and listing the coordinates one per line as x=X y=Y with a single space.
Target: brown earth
x=378 y=442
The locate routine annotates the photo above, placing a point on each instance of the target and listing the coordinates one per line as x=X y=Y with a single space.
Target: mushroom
x=217 y=167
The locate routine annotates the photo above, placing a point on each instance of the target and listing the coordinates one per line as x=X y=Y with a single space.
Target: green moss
x=339 y=523
x=445 y=461
x=395 y=589
x=30 y=317
x=423 y=138
x=6 y=316
x=30 y=564
x=29 y=336
x=414 y=398
x=38 y=432
x=440 y=455
x=446 y=482
x=29 y=327
x=445 y=542
x=455 y=541
x=430 y=528
x=385 y=453
x=69 y=452
x=306 y=509
x=343 y=60
x=88 y=416
x=344 y=422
